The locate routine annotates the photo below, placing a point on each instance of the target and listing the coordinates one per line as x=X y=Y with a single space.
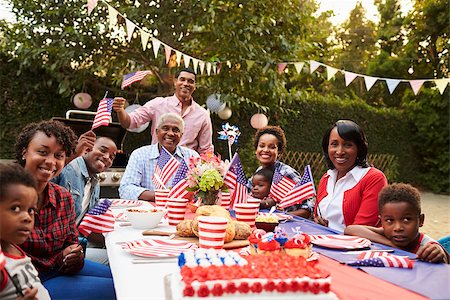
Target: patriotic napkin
x=382 y=259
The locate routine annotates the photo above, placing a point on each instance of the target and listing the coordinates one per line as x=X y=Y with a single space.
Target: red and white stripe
x=138 y=76
x=97 y=223
x=336 y=241
x=279 y=190
x=157 y=248
x=389 y=260
x=103 y=115
x=239 y=195
x=176 y=208
x=211 y=231
x=168 y=170
x=246 y=212
x=179 y=190
x=2 y=259
x=297 y=195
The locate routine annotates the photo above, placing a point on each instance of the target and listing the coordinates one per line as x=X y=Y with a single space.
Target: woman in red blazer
x=348 y=192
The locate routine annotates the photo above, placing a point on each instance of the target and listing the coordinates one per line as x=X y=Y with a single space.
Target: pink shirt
x=198 y=128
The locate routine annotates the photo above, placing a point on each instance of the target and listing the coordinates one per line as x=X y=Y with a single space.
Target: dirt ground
x=437 y=215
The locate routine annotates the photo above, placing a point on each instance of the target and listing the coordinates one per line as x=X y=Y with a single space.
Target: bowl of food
x=145 y=218
x=266 y=223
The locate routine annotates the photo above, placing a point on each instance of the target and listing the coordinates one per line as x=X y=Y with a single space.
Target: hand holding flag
x=104 y=109
x=99 y=219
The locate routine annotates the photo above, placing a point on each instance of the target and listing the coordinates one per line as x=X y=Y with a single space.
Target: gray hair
x=170 y=117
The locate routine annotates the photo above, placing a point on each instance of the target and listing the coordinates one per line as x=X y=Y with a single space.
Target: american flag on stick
x=99 y=219
x=382 y=259
x=304 y=189
x=281 y=185
x=180 y=183
x=236 y=181
x=103 y=115
x=165 y=167
x=131 y=78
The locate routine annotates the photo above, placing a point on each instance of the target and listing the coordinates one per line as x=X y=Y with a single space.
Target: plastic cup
x=246 y=212
x=211 y=231
x=161 y=198
x=176 y=208
x=226 y=199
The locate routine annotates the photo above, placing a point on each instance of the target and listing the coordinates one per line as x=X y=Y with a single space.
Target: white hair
x=172 y=117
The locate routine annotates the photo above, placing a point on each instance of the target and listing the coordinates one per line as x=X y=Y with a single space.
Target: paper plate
x=120 y=203
x=157 y=248
x=342 y=242
x=280 y=216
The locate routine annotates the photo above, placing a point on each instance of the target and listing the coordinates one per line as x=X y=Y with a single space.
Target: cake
x=227 y=275
x=299 y=245
x=268 y=244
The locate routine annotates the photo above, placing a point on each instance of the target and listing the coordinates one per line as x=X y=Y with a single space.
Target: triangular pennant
x=130 y=29
x=416 y=85
x=91 y=4
x=156 y=44
x=392 y=84
x=229 y=64
x=331 y=72
x=144 y=38
x=441 y=84
x=266 y=67
x=250 y=64
x=202 y=66
x=281 y=67
x=168 y=52
x=178 y=54
x=208 y=68
x=112 y=16
x=349 y=76
x=214 y=66
x=187 y=60
x=370 y=81
x=299 y=66
x=313 y=65
x=195 y=64
x=219 y=67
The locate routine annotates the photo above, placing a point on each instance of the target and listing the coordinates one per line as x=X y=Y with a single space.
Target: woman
x=53 y=246
x=348 y=192
x=270 y=143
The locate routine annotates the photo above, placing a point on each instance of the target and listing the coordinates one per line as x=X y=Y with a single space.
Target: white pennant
x=112 y=16
x=130 y=29
x=441 y=84
x=313 y=65
x=208 y=68
x=195 y=64
x=214 y=68
x=202 y=66
x=331 y=72
x=144 y=38
x=187 y=60
x=416 y=85
x=370 y=81
x=349 y=77
x=392 y=84
x=229 y=64
x=156 y=44
x=91 y=4
x=299 y=66
x=178 y=54
x=168 y=52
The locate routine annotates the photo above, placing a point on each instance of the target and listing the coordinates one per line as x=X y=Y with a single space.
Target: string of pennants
x=214 y=67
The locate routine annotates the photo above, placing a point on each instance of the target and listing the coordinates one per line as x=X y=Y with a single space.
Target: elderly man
x=198 y=135
x=137 y=182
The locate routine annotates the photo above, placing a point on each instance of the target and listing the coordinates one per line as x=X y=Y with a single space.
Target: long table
x=146 y=281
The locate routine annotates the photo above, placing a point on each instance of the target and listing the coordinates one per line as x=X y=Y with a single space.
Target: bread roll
x=184 y=228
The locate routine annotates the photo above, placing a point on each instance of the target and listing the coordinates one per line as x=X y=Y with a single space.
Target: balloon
x=214 y=104
x=225 y=113
x=82 y=100
x=131 y=108
x=259 y=121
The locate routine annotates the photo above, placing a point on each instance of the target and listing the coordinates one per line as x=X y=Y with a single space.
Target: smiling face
x=185 y=86
x=342 y=153
x=101 y=157
x=169 y=134
x=260 y=186
x=44 y=158
x=17 y=209
x=401 y=222
x=267 y=150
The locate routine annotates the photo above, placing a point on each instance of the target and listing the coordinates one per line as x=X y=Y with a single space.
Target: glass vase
x=209 y=197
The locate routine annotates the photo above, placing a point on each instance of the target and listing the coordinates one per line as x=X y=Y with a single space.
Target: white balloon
x=225 y=113
x=259 y=121
x=82 y=100
x=141 y=128
x=214 y=104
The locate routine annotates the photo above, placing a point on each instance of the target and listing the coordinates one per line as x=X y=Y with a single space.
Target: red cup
x=252 y=200
x=211 y=231
x=161 y=198
x=176 y=208
x=246 y=212
x=226 y=199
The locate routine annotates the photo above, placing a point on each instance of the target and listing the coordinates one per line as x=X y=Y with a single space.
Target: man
x=198 y=135
x=137 y=182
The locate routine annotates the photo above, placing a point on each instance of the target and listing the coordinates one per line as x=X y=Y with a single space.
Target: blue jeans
x=94 y=281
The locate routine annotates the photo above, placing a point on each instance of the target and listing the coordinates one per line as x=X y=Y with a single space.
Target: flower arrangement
x=206 y=177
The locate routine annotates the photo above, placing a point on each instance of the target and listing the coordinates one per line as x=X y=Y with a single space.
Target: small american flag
x=236 y=181
x=180 y=183
x=301 y=191
x=165 y=167
x=99 y=219
x=103 y=114
x=2 y=259
x=131 y=78
x=382 y=259
x=281 y=185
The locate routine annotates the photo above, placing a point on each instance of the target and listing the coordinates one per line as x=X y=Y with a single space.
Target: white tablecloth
x=136 y=281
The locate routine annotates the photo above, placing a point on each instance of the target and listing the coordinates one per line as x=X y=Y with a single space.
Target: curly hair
x=349 y=131
x=399 y=192
x=267 y=173
x=13 y=173
x=62 y=133
x=276 y=131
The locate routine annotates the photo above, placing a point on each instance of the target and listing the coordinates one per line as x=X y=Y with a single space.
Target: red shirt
x=54 y=229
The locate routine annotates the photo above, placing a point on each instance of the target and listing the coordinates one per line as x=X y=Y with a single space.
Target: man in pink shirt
x=198 y=132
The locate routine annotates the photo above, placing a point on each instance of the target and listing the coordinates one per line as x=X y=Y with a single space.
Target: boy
x=261 y=182
x=401 y=217
x=18 y=202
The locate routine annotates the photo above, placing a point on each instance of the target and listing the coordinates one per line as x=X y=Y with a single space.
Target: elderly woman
x=348 y=192
x=270 y=143
x=53 y=246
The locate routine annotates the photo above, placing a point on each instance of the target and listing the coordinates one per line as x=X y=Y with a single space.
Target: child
x=401 y=217
x=18 y=201
x=261 y=183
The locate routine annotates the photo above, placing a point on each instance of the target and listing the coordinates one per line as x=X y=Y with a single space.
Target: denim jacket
x=74 y=177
